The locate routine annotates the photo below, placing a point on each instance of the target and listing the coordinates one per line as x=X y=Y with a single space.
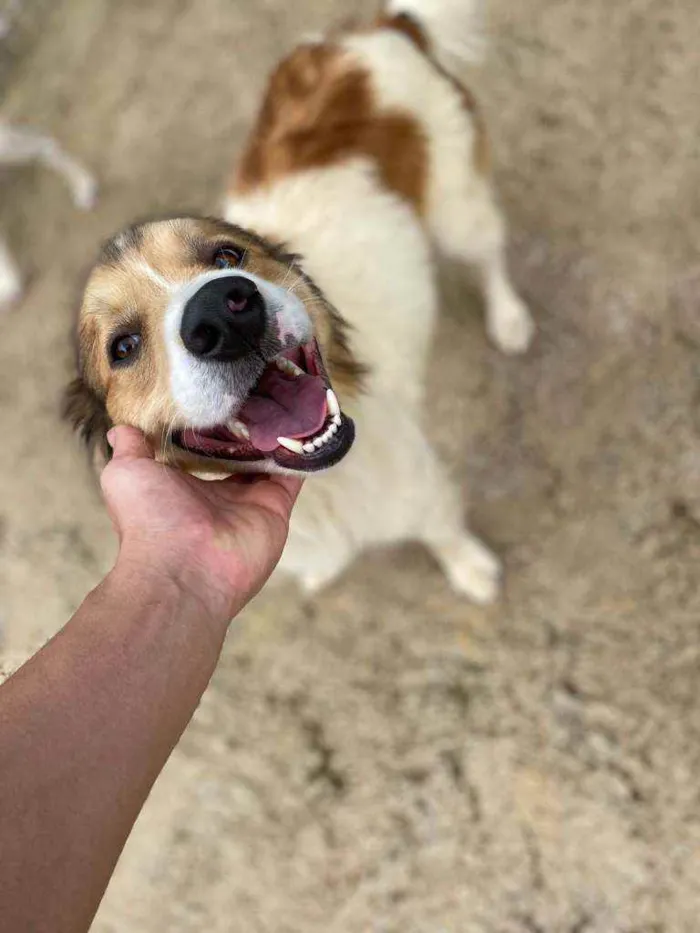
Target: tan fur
x=122 y=296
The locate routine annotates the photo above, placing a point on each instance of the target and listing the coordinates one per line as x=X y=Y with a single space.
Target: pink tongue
x=284 y=407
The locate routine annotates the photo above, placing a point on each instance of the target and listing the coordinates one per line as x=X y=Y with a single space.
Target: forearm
x=85 y=728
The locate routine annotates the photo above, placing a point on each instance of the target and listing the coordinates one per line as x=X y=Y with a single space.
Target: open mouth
x=292 y=416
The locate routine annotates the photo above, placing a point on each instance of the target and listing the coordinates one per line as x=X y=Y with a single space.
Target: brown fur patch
x=319 y=111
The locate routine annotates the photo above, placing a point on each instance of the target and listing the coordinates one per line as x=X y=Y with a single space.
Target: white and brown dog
x=232 y=352
x=19 y=146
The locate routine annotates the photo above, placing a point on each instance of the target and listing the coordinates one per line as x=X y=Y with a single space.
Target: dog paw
x=474 y=570
x=313 y=584
x=510 y=325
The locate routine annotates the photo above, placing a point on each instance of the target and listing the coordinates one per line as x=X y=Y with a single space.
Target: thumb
x=129 y=444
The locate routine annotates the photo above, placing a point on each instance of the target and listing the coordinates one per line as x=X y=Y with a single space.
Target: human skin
x=87 y=724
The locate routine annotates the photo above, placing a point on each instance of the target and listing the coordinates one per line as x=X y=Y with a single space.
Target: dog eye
x=226 y=258
x=125 y=347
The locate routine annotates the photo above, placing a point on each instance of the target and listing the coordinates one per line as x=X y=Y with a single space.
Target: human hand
x=217 y=541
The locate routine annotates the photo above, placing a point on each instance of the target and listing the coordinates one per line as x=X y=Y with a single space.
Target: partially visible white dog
x=17 y=147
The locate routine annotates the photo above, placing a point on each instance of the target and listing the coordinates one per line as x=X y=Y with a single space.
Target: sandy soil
x=390 y=758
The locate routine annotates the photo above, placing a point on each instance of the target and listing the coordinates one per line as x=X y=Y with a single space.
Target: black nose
x=225 y=320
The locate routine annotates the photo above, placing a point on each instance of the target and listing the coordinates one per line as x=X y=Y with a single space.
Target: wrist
x=138 y=580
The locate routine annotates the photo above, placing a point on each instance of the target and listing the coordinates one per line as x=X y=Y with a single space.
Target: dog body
x=369 y=245
x=367 y=157
x=19 y=146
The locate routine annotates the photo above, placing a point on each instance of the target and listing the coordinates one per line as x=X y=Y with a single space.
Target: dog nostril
x=238 y=299
x=236 y=302
x=203 y=339
x=241 y=296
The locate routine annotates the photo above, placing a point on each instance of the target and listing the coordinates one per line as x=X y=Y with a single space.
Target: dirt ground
x=390 y=758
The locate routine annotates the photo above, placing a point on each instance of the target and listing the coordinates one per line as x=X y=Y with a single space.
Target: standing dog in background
x=234 y=353
x=17 y=147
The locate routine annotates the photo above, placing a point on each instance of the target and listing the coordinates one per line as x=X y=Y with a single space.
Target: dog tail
x=453 y=30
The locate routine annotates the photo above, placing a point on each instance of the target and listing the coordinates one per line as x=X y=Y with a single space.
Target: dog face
x=216 y=345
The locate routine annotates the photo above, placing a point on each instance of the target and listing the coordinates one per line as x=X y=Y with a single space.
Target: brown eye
x=226 y=258
x=125 y=347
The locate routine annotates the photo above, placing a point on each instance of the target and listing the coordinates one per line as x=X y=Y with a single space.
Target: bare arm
x=88 y=723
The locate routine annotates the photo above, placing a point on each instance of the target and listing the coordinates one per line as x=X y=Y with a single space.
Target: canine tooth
x=289 y=367
x=333 y=403
x=337 y=420
x=296 y=447
x=309 y=448
x=239 y=429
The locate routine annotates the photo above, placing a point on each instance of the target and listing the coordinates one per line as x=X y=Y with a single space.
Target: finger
x=276 y=493
x=129 y=444
x=291 y=486
x=269 y=491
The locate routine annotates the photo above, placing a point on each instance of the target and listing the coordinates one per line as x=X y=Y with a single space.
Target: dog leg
x=509 y=323
x=18 y=146
x=315 y=556
x=10 y=282
x=468 y=564
x=320 y=574
x=470 y=228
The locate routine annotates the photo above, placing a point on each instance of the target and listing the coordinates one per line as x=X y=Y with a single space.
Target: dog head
x=214 y=343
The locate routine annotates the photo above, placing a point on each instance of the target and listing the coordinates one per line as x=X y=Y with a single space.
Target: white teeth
x=312 y=446
x=318 y=442
x=296 y=447
x=288 y=367
x=239 y=429
x=333 y=404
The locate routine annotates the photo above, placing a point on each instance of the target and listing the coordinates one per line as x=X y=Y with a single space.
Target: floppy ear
x=347 y=372
x=86 y=412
